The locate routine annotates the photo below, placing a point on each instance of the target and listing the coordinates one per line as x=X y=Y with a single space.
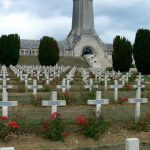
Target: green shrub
x=91 y=127
x=8 y=129
x=54 y=128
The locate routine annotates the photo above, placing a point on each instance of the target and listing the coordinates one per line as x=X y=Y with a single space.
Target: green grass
x=28 y=60
x=66 y=61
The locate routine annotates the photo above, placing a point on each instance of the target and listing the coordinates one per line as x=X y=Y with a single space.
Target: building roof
x=29 y=44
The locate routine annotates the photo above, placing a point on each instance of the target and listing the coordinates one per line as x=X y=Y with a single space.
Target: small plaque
x=8 y=103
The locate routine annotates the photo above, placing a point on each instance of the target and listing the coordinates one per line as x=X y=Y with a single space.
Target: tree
x=141 y=51
x=122 y=54
x=9 y=49
x=48 y=51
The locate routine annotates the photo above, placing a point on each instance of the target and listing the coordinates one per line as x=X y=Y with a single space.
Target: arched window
x=87 y=51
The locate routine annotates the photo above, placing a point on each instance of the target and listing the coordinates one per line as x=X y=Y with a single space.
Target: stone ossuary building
x=81 y=40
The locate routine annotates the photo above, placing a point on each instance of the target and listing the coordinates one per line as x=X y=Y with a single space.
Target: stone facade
x=29 y=47
x=81 y=38
x=83 y=34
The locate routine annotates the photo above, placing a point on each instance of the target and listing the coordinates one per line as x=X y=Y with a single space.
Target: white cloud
x=28 y=27
x=116 y=3
x=32 y=19
x=6 y=3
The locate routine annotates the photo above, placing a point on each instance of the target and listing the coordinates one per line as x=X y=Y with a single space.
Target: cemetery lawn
x=66 y=61
x=119 y=115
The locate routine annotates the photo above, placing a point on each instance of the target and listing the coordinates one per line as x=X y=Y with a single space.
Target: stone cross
x=64 y=86
x=106 y=79
x=34 y=87
x=5 y=103
x=54 y=102
x=116 y=86
x=90 y=86
x=139 y=77
x=132 y=144
x=138 y=101
x=26 y=79
x=123 y=79
x=48 y=79
x=139 y=86
x=98 y=102
x=4 y=87
x=7 y=148
x=127 y=76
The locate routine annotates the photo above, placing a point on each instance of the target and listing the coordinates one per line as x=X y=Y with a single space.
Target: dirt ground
x=74 y=141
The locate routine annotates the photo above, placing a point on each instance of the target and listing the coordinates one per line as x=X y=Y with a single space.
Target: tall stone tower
x=83 y=38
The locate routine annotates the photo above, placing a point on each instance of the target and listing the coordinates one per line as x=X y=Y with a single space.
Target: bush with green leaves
x=48 y=51
x=92 y=126
x=7 y=128
x=141 y=51
x=54 y=128
x=122 y=54
x=9 y=49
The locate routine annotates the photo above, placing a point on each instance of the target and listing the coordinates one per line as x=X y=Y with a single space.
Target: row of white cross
x=54 y=102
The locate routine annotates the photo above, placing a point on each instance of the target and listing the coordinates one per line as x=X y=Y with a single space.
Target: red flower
x=148 y=114
x=65 y=134
x=16 y=126
x=13 y=124
x=4 y=118
x=54 y=115
x=81 y=120
x=123 y=99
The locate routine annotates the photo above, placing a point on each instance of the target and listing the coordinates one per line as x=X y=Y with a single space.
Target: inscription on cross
x=138 y=101
x=116 y=86
x=5 y=103
x=34 y=87
x=98 y=102
x=54 y=102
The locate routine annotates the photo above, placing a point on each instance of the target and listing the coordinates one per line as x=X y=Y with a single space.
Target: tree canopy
x=122 y=54
x=9 y=49
x=141 y=51
x=48 y=51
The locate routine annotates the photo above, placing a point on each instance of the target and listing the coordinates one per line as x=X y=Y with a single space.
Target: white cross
x=127 y=76
x=5 y=86
x=26 y=79
x=138 y=101
x=48 y=79
x=90 y=86
x=98 y=102
x=35 y=87
x=123 y=80
x=64 y=86
x=139 y=86
x=106 y=79
x=7 y=148
x=5 y=103
x=54 y=102
x=116 y=86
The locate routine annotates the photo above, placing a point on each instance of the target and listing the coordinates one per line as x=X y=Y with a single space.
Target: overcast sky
x=32 y=19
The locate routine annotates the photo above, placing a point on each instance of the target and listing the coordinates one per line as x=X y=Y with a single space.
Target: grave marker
x=132 y=144
x=54 y=102
x=5 y=103
x=116 y=86
x=98 y=102
x=138 y=101
x=64 y=86
x=90 y=86
x=34 y=87
x=7 y=148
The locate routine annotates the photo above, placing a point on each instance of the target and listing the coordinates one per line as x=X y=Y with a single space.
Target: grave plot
x=69 y=84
